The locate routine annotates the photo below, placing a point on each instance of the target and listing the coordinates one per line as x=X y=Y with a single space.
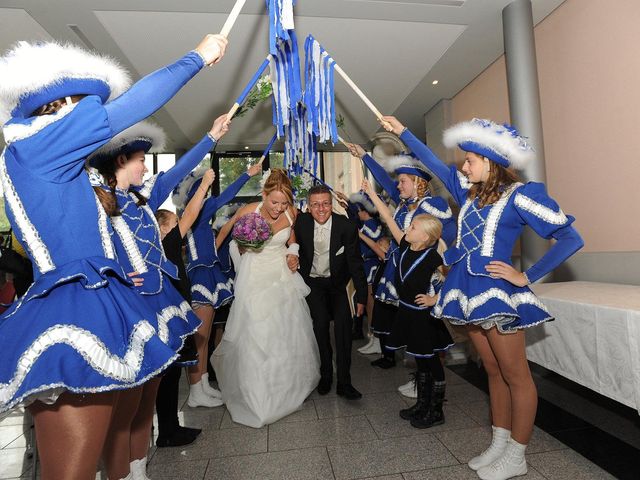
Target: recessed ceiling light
x=246 y=147
x=435 y=82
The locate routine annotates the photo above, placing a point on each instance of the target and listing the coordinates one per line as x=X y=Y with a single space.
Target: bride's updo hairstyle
x=279 y=181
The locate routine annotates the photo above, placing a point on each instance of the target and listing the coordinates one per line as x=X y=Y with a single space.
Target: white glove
x=293 y=249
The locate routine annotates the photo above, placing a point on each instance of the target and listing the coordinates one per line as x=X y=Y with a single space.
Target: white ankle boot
x=372 y=348
x=208 y=389
x=139 y=469
x=498 y=444
x=511 y=464
x=197 y=397
x=367 y=345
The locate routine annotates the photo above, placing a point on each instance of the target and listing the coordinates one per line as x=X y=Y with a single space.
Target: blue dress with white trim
x=470 y=294
x=209 y=284
x=372 y=228
x=139 y=247
x=81 y=326
x=385 y=290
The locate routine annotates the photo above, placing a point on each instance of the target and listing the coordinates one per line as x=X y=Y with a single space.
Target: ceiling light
x=246 y=147
x=435 y=82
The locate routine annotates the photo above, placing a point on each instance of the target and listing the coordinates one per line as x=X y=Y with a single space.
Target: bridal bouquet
x=251 y=231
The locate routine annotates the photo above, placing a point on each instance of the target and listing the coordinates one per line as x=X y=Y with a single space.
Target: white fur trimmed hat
x=186 y=188
x=144 y=136
x=362 y=199
x=406 y=164
x=34 y=74
x=499 y=143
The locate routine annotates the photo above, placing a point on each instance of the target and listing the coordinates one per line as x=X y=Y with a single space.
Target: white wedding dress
x=267 y=362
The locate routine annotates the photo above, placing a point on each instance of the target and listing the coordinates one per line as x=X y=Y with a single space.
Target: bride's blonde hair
x=280 y=182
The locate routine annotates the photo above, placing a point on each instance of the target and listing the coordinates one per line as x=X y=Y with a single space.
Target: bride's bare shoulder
x=248 y=208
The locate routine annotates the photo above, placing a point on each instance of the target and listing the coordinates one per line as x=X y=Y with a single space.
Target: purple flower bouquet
x=251 y=231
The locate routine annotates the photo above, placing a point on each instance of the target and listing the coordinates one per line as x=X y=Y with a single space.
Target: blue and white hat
x=144 y=136
x=406 y=164
x=363 y=201
x=499 y=143
x=187 y=187
x=34 y=74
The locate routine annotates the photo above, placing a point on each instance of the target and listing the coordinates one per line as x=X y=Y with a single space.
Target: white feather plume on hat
x=180 y=195
x=504 y=141
x=141 y=131
x=28 y=68
x=224 y=214
x=397 y=161
x=364 y=200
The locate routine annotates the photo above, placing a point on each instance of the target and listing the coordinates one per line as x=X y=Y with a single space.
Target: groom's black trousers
x=327 y=303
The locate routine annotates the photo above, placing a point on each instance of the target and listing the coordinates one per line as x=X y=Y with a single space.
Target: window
x=230 y=165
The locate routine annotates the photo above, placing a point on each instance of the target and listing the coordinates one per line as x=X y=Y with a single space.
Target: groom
x=329 y=258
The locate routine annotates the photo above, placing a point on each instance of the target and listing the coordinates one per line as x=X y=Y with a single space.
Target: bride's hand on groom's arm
x=293 y=263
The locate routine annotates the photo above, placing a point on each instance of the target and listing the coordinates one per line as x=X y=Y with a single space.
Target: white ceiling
x=393 y=49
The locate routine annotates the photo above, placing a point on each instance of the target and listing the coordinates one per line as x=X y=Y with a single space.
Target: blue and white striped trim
x=147 y=188
x=103 y=227
x=211 y=297
x=35 y=244
x=463 y=180
x=541 y=211
x=373 y=235
x=468 y=305
x=169 y=313
x=90 y=347
x=130 y=245
x=15 y=132
x=436 y=212
x=191 y=245
x=493 y=218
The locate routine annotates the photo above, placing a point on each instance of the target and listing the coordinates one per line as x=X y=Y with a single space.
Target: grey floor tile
x=467 y=443
x=465 y=393
x=330 y=431
x=459 y=472
x=13 y=462
x=385 y=477
x=306 y=464
x=479 y=411
x=368 y=404
x=8 y=433
x=563 y=464
x=215 y=444
x=20 y=442
x=178 y=471
x=227 y=422
x=388 y=425
x=390 y=456
x=205 y=418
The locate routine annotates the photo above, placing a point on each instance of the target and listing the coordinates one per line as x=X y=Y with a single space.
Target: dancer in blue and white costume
x=81 y=332
x=482 y=289
x=412 y=196
x=139 y=248
x=363 y=212
x=210 y=287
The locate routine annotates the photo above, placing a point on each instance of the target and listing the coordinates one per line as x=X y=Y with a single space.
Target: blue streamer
x=252 y=82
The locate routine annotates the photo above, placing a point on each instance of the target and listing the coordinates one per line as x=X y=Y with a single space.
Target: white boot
x=139 y=469
x=409 y=389
x=367 y=345
x=197 y=397
x=208 y=389
x=374 y=348
x=498 y=444
x=510 y=464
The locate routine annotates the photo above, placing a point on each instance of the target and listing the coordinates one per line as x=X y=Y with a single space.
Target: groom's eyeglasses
x=316 y=205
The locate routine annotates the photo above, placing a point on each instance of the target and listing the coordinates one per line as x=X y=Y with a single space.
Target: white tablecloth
x=595 y=339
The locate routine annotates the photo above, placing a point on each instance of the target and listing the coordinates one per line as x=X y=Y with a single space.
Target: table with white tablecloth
x=595 y=339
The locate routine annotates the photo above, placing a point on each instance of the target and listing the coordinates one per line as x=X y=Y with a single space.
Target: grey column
x=524 y=105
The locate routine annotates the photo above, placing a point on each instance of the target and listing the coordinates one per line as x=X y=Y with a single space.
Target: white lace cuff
x=293 y=249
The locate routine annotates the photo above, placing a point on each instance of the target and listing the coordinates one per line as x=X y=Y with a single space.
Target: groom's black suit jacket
x=345 y=265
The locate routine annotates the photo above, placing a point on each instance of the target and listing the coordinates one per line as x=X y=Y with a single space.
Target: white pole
x=233 y=16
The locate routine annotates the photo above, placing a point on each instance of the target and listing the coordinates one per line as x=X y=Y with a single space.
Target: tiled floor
x=332 y=438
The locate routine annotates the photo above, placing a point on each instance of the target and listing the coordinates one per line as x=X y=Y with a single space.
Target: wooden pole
x=233 y=16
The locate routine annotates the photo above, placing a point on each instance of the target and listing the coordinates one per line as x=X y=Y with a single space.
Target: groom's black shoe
x=347 y=391
x=324 y=386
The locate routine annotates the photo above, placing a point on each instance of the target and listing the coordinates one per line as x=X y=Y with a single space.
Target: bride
x=267 y=362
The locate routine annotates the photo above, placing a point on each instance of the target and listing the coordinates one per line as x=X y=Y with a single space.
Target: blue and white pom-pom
x=361 y=198
x=499 y=143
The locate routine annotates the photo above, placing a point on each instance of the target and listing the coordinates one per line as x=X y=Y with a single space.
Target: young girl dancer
x=411 y=194
x=483 y=290
x=422 y=336
x=92 y=334
x=130 y=203
x=210 y=287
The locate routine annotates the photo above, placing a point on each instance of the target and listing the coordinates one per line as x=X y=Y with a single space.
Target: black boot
x=407 y=413
x=357 y=334
x=433 y=414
